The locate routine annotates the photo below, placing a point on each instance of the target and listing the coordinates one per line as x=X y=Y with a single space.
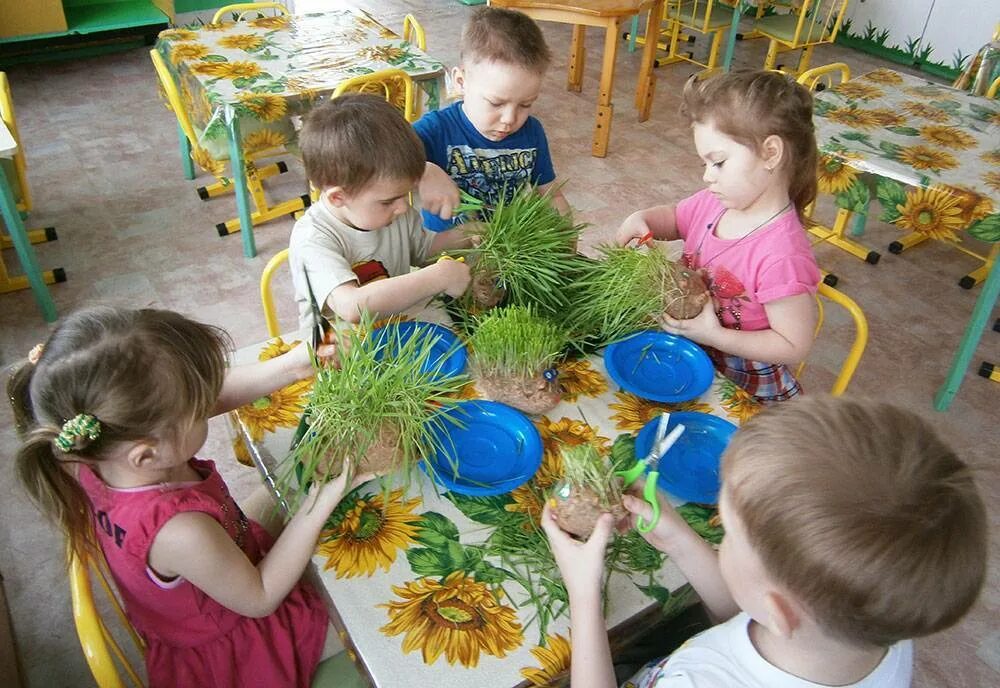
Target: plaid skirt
x=768 y=383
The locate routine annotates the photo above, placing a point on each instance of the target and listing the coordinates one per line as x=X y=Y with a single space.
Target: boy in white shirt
x=850 y=529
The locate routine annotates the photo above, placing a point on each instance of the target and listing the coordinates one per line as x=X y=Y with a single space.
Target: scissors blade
x=661 y=448
x=321 y=325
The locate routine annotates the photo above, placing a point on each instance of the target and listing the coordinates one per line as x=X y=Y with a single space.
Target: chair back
x=860 y=341
x=266 y=297
x=19 y=180
x=174 y=103
x=241 y=10
x=413 y=32
x=698 y=14
x=103 y=653
x=819 y=21
x=394 y=85
x=825 y=76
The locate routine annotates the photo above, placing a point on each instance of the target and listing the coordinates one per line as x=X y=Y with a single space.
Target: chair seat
x=337 y=672
x=782 y=27
x=721 y=17
x=595 y=8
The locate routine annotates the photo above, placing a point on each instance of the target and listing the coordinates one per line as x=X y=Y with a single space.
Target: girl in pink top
x=115 y=407
x=745 y=233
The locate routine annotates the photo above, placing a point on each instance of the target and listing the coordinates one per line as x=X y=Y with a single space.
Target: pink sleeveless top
x=191 y=639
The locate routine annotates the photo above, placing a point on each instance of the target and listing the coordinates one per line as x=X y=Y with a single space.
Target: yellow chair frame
x=263 y=211
x=266 y=298
x=816 y=22
x=707 y=17
x=244 y=8
x=850 y=364
x=103 y=653
x=388 y=83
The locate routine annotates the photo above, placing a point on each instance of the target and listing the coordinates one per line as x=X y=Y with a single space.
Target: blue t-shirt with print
x=478 y=166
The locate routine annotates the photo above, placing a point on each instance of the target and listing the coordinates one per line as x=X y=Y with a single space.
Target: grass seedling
x=515 y=342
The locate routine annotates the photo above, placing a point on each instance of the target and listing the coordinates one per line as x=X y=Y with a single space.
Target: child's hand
x=327 y=496
x=666 y=528
x=333 y=348
x=703 y=328
x=632 y=229
x=438 y=193
x=581 y=563
x=327 y=353
x=453 y=275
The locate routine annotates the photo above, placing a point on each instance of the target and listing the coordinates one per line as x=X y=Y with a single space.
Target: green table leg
x=240 y=184
x=8 y=208
x=727 y=61
x=970 y=340
x=186 y=162
x=860 y=219
x=632 y=32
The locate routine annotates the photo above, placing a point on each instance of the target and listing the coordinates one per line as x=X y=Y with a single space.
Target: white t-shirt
x=724 y=657
x=335 y=253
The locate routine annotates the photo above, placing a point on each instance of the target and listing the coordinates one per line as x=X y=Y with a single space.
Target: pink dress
x=774 y=262
x=191 y=639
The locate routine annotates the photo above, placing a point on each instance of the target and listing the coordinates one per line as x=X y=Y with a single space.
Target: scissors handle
x=460 y=259
x=645 y=238
x=649 y=495
x=632 y=474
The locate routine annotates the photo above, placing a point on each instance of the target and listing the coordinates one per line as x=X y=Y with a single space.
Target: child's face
x=735 y=174
x=497 y=97
x=374 y=206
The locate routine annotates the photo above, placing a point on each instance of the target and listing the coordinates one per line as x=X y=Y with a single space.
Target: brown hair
x=358 y=138
x=749 y=106
x=141 y=373
x=493 y=34
x=862 y=513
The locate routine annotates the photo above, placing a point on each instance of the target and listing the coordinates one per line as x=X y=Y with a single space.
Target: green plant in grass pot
x=525 y=252
x=514 y=356
x=629 y=289
x=384 y=407
x=589 y=488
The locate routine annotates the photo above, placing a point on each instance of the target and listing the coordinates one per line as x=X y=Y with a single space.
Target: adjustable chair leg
x=218 y=188
x=35 y=236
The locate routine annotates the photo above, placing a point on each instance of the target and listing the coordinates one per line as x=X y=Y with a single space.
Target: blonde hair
x=861 y=512
x=358 y=138
x=141 y=373
x=749 y=106
x=508 y=37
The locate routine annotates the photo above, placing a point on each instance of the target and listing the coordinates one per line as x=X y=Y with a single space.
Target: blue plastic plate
x=690 y=468
x=447 y=352
x=659 y=366
x=496 y=449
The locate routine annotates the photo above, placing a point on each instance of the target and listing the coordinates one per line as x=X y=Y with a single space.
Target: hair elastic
x=83 y=425
x=36 y=353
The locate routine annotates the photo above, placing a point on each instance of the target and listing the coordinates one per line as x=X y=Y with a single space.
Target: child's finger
x=637 y=507
x=602 y=531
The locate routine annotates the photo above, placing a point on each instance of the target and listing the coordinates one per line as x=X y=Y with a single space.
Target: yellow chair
x=853 y=358
x=240 y=10
x=214 y=163
x=414 y=34
x=16 y=172
x=394 y=85
x=266 y=298
x=708 y=17
x=814 y=23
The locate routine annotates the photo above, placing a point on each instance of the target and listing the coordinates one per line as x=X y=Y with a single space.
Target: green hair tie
x=83 y=425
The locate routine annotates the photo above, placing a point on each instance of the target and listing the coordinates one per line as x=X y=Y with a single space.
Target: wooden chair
x=858 y=344
x=240 y=11
x=214 y=162
x=813 y=23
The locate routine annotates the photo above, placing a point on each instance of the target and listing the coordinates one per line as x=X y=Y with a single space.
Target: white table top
x=8 y=146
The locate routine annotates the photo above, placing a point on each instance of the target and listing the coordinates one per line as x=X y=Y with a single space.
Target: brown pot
x=383 y=455
x=533 y=395
x=578 y=512
x=690 y=297
x=485 y=292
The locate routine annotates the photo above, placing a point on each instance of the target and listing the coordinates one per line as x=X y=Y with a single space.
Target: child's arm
x=661 y=220
x=693 y=556
x=398 y=293
x=582 y=568
x=451 y=239
x=194 y=546
x=559 y=201
x=438 y=192
x=793 y=323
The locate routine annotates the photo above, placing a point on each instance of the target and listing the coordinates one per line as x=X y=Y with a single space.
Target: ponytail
x=18 y=392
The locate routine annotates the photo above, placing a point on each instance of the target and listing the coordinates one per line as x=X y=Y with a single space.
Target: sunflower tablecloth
x=268 y=69
x=929 y=154
x=452 y=591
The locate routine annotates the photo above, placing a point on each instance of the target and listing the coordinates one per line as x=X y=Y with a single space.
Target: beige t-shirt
x=335 y=253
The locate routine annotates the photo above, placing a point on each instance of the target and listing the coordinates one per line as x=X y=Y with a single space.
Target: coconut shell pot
x=485 y=292
x=382 y=456
x=532 y=395
x=577 y=508
x=688 y=294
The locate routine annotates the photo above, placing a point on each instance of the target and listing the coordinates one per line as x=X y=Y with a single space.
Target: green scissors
x=661 y=445
x=321 y=324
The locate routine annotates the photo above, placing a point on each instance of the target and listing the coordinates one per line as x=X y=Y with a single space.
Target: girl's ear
x=772 y=151
x=458 y=78
x=140 y=454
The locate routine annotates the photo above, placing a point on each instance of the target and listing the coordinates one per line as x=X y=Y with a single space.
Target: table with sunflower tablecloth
x=929 y=155
x=456 y=591
x=242 y=82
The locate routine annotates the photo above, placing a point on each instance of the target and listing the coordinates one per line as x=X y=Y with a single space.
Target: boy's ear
x=458 y=78
x=335 y=196
x=784 y=616
x=772 y=151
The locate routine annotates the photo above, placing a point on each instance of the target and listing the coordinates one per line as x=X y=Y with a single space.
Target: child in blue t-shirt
x=487 y=142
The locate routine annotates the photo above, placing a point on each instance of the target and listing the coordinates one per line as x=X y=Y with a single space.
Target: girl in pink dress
x=754 y=132
x=115 y=407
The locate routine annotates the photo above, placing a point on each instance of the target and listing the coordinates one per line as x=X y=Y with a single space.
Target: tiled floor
x=104 y=166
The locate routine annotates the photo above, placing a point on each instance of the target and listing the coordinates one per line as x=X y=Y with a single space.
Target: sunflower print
x=858 y=90
x=833 y=176
x=887 y=118
x=567 y=431
x=529 y=498
x=992 y=180
x=974 y=205
x=554 y=658
x=632 y=412
x=737 y=402
x=370 y=535
x=458 y=617
x=949 y=137
x=205 y=161
x=241 y=451
x=856 y=118
x=265 y=106
x=884 y=76
x=302 y=88
x=228 y=70
x=263 y=139
x=241 y=41
x=926 y=111
x=382 y=53
x=178 y=35
x=279 y=409
x=578 y=378
x=922 y=157
x=933 y=211
x=187 y=51
x=221 y=26
x=928 y=91
x=992 y=157
x=469 y=391
x=269 y=22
